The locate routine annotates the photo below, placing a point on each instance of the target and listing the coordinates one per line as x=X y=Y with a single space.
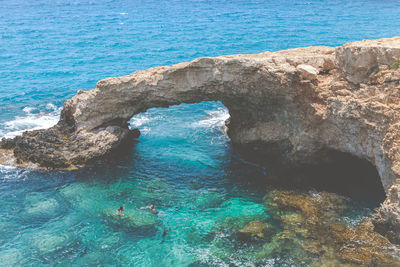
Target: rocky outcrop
x=387 y=217
x=312 y=230
x=298 y=102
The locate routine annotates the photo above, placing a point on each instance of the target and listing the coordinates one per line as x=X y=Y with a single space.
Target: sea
x=183 y=162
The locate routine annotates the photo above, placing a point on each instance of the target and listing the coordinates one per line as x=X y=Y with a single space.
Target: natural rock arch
x=345 y=99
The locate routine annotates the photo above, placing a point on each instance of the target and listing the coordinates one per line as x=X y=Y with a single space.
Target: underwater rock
x=134 y=221
x=301 y=229
x=361 y=245
x=312 y=233
x=256 y=230
x=50 y=242
x=207 y=200
x=230 y=225
x=46 y=207
x=40 y=207
x=10 y=257
x=304 y=208
x=86 y=198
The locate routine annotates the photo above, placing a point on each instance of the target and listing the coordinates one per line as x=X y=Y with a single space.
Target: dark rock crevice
x=329 y=170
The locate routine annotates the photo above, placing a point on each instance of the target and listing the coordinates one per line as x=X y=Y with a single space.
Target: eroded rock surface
x=311 y=229
x=387 y=217
x=255 y=230
x=304 y=228
x=301 y=101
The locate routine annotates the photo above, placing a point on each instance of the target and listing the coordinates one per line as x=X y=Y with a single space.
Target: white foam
x=142 y=121
x=139 y=120
x=6 y=168
x=28 y=109
x=144 y=130
x=123 y=13
x=51 y=106
x=215 y=118
x=31 y=121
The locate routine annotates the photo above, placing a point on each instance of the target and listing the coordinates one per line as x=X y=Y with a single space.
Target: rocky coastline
x=295 y=103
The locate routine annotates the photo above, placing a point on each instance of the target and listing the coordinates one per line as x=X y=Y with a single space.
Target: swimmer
x=119 y=211
x=152 y=209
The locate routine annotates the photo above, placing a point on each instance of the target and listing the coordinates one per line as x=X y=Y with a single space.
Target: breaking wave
x=33 y=119
x=214 y=118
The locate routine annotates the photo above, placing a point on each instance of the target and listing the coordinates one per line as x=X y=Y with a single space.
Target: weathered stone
x=7 y=143
x=387 y=217
x=311 y=228
x=361 y=245
x=307 y=72
x=358 y=60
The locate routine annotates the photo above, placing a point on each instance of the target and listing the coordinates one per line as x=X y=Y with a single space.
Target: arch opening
x=333 y=171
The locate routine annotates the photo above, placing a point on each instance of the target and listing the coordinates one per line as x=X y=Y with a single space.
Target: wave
x=6 y=168
x=215 y=118
x=143 y=122
x=139 y=120
x=33 y=119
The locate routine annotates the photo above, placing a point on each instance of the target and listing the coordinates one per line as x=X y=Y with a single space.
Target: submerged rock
x=48 y=206
x=300 y=229
x=312 y=233
x=41 y=207
x=47 y=242
x=256 y=230
x=361 y=245
x=43 y=210
x=10 y=257
x=134 y=221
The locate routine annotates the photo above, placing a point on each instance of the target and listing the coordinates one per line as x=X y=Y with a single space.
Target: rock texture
x=313 y=230
x=300 y=101
x=387 y=217
x=256 y=230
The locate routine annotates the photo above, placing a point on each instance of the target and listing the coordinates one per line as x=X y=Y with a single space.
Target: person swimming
x=151 y=208
x=119 y=211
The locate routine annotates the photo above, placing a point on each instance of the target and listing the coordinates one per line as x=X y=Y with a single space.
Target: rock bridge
x=302 y=101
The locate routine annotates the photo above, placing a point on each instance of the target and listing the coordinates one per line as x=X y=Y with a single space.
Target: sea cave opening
x=332 y=171
x=345 y=174
x=196 y=133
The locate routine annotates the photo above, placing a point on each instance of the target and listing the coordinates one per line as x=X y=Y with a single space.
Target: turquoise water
x=183 y=162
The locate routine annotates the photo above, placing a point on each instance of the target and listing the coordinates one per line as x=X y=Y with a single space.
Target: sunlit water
x=183 y=162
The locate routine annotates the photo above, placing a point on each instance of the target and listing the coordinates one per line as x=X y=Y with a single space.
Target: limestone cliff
x=303 y=100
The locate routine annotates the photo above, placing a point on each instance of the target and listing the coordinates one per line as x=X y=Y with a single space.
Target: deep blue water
x=183 y=162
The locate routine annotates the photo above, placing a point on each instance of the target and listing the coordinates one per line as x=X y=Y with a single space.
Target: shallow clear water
x=183 y=162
